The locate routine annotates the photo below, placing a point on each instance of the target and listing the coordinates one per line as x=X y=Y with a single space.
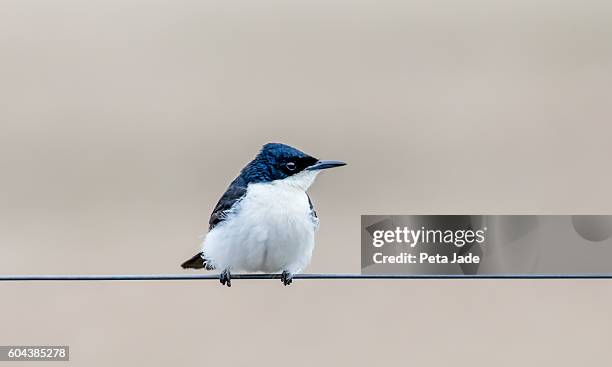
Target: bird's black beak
x=325 y=165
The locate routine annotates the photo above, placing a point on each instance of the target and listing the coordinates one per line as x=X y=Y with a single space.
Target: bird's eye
x=291 y=166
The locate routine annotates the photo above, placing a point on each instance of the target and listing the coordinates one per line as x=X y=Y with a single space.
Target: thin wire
x=129 y=277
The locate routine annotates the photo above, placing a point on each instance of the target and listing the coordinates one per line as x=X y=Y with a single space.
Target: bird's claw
x=225 y=278
x=286 y=277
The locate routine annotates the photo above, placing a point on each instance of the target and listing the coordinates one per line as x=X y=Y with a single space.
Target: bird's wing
x=313 y=212
x=233 y=195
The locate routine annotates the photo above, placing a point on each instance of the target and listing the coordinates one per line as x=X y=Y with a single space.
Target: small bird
x=265 y=221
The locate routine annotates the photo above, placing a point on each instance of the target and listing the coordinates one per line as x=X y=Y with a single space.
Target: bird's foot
x=225 y=278
x=286 y=277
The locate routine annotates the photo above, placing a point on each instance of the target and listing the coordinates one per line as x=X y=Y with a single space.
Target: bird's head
x=280 y=162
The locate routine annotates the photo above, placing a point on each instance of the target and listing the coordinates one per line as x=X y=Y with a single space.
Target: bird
x=265 y=221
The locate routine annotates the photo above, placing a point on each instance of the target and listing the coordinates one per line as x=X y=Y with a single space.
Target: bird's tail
x=197 y=262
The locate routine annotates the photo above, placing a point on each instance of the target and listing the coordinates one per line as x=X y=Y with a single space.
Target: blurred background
x=122 y=122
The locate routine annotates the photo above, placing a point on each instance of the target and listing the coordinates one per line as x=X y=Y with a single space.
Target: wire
x=129 y=277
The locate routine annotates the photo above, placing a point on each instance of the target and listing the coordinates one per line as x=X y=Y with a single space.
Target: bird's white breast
x=271 y=229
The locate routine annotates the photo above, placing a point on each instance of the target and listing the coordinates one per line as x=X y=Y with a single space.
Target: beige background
x=122 y=122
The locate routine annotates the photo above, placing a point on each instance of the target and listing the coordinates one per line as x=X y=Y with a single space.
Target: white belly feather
x=270 y=230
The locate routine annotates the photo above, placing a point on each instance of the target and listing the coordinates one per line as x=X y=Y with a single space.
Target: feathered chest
x=280 y=206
